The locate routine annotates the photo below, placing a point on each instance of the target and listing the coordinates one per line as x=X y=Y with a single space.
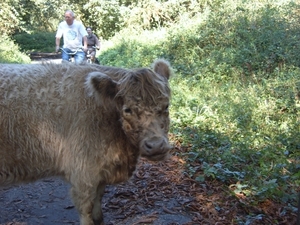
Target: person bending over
x=73 y=33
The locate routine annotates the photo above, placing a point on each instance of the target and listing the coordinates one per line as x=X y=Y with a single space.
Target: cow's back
x=43 y=120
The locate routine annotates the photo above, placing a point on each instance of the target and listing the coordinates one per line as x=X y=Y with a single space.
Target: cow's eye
x=164 y=110
x=127 y=110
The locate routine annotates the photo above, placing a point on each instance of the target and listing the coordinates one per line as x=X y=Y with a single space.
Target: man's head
x=89 y=30
x=69 y=17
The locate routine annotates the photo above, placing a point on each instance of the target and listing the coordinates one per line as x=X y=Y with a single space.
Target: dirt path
x=150 y=197
x=47 y=57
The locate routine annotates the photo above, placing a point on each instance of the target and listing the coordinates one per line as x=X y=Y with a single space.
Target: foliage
x=26 y=15
x=9 y=20
x=140 y=47
x=240 y=109
x=36 y=42
x=10 y=53
x=246 y=135
x=251 y=40
x=107 y=17
x=236 y=93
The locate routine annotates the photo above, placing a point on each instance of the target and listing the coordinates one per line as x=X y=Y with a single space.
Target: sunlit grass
x=246 y=132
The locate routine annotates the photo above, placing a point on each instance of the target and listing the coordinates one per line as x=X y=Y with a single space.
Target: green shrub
x=252 y=40
x=10 y=53
x=133 y=49
x=36 y=42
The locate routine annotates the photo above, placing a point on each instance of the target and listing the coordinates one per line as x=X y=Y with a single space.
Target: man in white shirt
x=73 y=33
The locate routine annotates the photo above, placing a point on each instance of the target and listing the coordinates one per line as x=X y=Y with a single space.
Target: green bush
x=133 y=49
x=252 y=40
x=10 y=53
x=36 y=42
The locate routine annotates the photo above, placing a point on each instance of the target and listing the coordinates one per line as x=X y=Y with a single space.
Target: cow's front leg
x=83 y=197
x=97 y=209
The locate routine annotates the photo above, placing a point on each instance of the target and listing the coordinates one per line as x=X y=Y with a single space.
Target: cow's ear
x=101 y=85
x=162 y=67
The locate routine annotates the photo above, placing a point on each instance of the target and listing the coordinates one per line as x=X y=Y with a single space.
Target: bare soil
x=159 y=193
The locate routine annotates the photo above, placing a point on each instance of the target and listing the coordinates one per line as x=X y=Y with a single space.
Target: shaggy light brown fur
x=88 y=124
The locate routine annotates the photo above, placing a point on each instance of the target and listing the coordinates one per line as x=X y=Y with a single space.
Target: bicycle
x=88 y=56
x=71 y=53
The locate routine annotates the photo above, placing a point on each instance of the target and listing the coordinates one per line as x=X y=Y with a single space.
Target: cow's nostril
x=148 y=146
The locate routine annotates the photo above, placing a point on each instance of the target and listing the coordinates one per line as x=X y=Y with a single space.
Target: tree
x=105 y=17
x=9 y=18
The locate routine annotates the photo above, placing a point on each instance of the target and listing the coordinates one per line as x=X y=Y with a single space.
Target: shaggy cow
x=88 y=124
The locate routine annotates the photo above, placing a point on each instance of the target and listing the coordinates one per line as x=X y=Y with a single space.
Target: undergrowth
x=236 y=93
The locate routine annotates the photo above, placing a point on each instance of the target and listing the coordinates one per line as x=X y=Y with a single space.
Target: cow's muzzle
x=155 y=148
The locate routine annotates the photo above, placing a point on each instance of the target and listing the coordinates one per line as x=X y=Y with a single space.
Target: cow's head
x=142 y=98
